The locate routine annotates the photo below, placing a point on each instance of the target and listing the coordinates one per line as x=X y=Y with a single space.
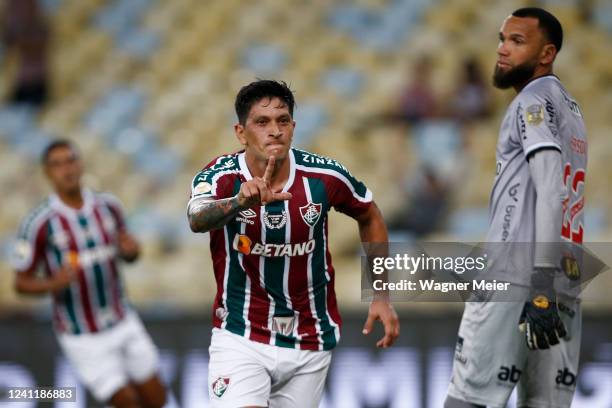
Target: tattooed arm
x=206 y=214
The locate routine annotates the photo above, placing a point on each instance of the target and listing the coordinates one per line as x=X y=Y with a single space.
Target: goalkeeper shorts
x=491 y=358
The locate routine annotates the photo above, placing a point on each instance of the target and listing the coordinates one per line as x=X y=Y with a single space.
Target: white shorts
x=491 y=358
x=247 y=373
x=108 y=360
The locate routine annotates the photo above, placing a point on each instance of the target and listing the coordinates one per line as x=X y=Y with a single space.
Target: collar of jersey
x=59 y=205
x=247 y=174
x=533 y=81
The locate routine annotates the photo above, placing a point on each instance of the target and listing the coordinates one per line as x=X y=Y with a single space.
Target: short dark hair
x=56 y=144
x=546 y=22
x=258 y=90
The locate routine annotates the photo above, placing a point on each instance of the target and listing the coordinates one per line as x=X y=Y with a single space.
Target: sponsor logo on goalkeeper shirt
x=246 y=246
x=552 y=121
x=573 y=106
x=522 y=127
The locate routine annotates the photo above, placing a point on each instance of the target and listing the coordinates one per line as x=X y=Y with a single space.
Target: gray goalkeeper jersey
x=542 y=115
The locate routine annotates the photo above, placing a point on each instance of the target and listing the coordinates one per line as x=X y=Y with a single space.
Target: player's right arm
x=27 y=254
x=29 y=284
x=206 y=213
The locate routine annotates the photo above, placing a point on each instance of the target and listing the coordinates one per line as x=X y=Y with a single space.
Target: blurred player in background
x=537 y=197
x=79 y=237
x=275 y=314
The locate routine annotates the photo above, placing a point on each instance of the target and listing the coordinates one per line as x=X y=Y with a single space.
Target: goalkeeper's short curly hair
x=550 y=26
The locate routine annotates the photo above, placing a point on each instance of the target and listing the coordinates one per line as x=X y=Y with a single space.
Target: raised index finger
x=269 y=169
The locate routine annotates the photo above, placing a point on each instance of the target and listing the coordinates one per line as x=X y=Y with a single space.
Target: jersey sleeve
x=537 y=122
x=116 y=209
x=29 y=246
x=213 y=182
x=349 y=195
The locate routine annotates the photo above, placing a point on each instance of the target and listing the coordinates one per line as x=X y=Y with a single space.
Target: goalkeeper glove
x=540 y=321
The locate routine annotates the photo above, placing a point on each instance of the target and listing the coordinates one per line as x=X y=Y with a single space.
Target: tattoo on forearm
x=206 y=215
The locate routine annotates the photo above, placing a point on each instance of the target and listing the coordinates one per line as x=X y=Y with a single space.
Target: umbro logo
x=246 y=215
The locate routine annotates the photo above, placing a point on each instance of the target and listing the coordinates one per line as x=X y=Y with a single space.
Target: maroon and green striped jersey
x=53 y=235
x=272 y=263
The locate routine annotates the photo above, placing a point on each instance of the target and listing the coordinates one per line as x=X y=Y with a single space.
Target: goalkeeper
x=538 y=197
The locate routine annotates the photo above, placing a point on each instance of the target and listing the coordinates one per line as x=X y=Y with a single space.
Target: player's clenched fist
x=257 y=191
x=63 y=278
x=66 y=274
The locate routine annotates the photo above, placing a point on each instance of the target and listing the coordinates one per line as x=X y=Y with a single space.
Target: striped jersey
x=542 y=115
x=53 y=235
x=272 y=265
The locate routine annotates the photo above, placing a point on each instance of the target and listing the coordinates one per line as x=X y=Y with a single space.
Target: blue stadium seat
x=140 y=43
x=133 y=140
x=118 y=109
x=385 y=30
x=344 y=81
x=32 y=143
x=310 y=118
x=603 y=15
x=158 y=163
x=437 y=143
x=121 y=16
x=264 y=59
x=51 y=6
x=15 y=121
x=595 y=221
x=469 y=224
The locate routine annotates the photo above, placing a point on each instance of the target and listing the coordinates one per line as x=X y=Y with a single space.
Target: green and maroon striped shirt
x=51 y=233
x=274 y=260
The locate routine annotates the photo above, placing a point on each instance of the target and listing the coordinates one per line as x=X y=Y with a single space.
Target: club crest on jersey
x=246 y=215
x=220 y=385
x=535 y=114
x=311 y=213
x=275 y=221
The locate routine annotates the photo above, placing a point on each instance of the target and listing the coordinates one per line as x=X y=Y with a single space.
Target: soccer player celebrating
x=275 y=315
x=537 y=198
x=79 y=236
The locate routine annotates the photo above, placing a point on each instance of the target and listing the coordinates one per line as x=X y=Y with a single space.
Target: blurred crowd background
x=397 y=90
